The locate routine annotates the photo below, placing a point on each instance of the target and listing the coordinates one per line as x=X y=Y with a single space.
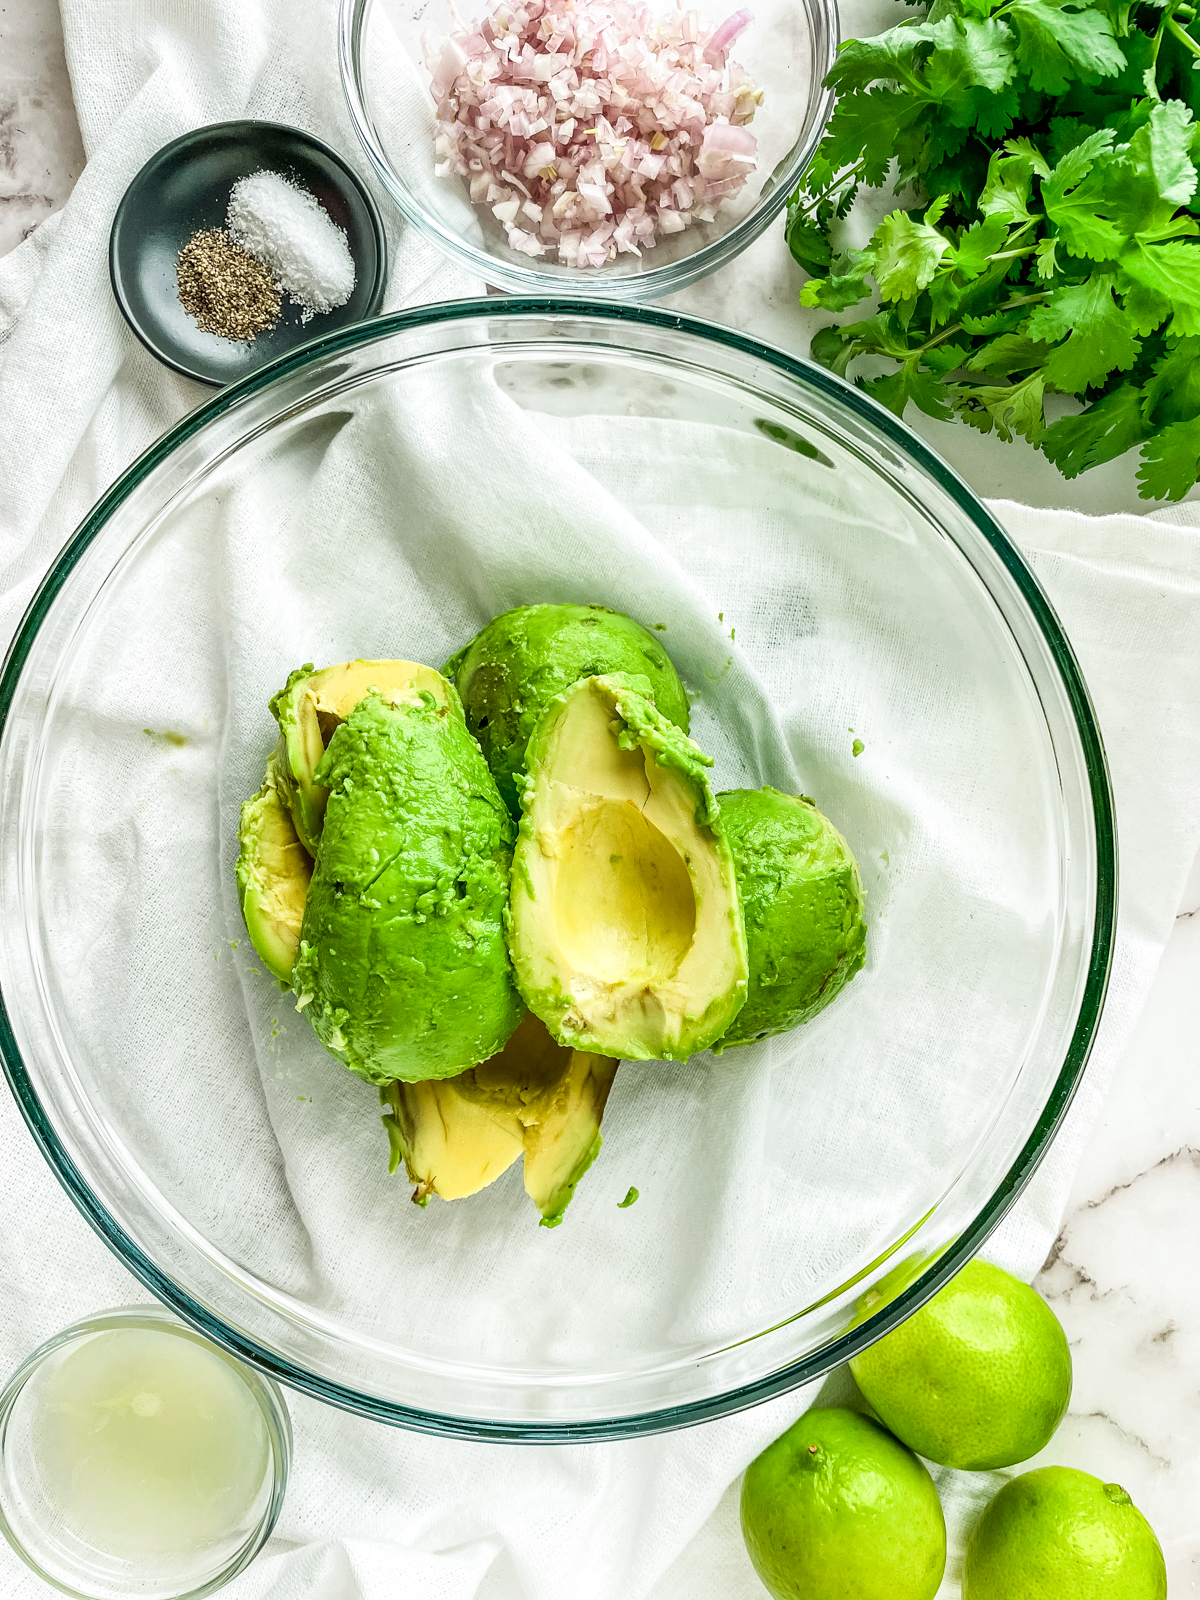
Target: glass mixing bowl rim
x=944 y=1265
x=633 y=287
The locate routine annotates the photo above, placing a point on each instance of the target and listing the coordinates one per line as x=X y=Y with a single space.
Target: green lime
x=836 y=1509
x=1058 y=1534
x=980 y=1377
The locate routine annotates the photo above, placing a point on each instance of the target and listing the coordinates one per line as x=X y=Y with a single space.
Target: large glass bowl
x=240 y=1172
x=787 y=51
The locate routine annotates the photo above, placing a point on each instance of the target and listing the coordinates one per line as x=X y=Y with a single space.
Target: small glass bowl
x=32 y=1520
x=787 y=50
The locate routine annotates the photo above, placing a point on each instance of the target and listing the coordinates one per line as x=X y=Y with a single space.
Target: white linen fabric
x=373 y=1512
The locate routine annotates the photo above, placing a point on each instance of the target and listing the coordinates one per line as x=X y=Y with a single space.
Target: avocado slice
x=457 y=1135
x=802 y=900
x=402 y=964
x=273 y=872
x=562 y=1131
x=312 y=704
x=624 y=925
x=509 y=673
x=450 y=1144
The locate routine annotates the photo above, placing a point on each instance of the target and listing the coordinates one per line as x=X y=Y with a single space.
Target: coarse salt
x=295 y=238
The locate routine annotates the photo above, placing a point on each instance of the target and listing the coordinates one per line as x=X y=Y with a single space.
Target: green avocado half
x=527 y=657
x=402 y=965
x=624 y=926
x=311 y=705
x=802 y=901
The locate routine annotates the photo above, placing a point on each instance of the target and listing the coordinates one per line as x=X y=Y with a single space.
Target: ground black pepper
x=225 y=289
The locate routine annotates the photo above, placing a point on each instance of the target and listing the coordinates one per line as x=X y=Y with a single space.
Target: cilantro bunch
x=1057 y=246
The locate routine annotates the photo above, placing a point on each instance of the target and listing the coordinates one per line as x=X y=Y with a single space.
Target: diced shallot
x=721 y=38
x=591 y=126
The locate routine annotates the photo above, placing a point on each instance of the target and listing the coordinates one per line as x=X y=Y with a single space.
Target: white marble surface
x=1122 y=1275
x=40 y=151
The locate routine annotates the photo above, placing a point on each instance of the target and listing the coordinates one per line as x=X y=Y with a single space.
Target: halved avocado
x=624 y=924
x=311 y=705
x=511 y=670
x=273 y=873
x=802 y=901
x=457 y=1135
x=402 y=964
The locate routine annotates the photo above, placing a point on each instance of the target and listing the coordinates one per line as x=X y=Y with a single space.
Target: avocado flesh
x=624 y=925
x=311 y=705
x=273 y=873
x=525 y=658
x=450 y=1146
x=562 y=1131
x=802 y=900
x=457 y=1135
x=402 y=965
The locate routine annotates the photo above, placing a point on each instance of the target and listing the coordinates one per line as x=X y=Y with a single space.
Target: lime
x=836 y=1509
x=1058 y=1534
x=980 y=1377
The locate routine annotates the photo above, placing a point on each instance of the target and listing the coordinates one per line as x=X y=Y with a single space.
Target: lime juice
x=149 y=1443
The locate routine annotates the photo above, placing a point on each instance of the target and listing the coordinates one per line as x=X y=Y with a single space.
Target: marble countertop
x=1121 y=1275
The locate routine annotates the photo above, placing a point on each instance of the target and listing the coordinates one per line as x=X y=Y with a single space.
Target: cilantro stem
x=843 y=179
x=1149 y=78
x=956 y=327
x=1182 y=34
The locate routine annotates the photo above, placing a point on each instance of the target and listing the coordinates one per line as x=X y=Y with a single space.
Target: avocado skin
x=525 y=658
x=803 y=906
x=402 y=962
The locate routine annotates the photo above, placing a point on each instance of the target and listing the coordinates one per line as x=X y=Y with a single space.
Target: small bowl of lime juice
x=136 y=1458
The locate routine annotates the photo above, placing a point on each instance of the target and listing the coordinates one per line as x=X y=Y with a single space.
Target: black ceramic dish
x=185 y=186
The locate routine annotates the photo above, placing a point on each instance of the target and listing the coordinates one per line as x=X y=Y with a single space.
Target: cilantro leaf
x=995 y=322
x=845 y=286
x=1171 y=461
x=1009 y=187
x=1145 y=308
x=978 y=244
x=944 y=358
x=969 y=53
x=1171 y=271
x=1047 y=259
x=1057 y=45
x=866 y=127
x=1028 y=151
x=1161 y=152
x=1009 y=408
x=833 y=349
x=886 y=58
x=906 y=255
x=1099 y=337
x=910 y=383
x=1074 y=204
x=1109 y=427
x=807 y=240
x=1172 y=392
x=1011 y=352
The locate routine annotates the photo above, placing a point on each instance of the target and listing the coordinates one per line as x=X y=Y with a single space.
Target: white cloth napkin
x=373 y=1512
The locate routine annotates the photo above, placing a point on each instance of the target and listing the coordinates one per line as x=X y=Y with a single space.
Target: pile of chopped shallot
x=590 y=126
